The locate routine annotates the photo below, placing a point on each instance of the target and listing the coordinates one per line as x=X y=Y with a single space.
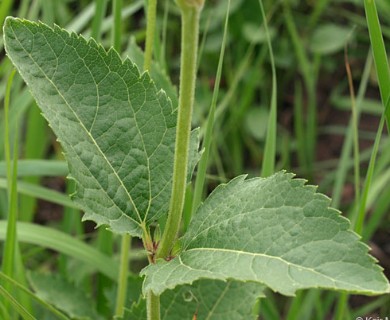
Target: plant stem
x=190 y=29
x=190 y=11
x=153 y=306
x=123 y=273
x=150 y=28
x=117 y=30
x=98 y=18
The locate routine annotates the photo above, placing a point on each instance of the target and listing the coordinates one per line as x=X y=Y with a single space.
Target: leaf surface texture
x=276 y=231
x=208 y=299
x=116 y=129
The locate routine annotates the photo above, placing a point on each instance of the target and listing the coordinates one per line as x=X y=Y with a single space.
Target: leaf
x=63 y=295
x=275 y=231
x=209 y=299
x=116 y=128
x=329 y=38
x=157 y=74
x=256 y=121
x=255 y=34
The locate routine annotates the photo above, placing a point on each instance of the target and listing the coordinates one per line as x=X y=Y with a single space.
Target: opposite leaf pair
x=118 y=133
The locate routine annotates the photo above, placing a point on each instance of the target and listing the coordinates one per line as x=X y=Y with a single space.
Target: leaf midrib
x=268 y=257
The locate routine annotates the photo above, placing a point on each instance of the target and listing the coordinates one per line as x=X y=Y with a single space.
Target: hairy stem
x=152 y=301
x=123 y=274
x=190 y=29
x=153 y=306
x=150 y=29
x=190 y=11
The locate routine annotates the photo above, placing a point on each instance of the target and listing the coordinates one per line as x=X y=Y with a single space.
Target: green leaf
x=329 y=38
x=63 y=295
x=116 y=128
x=275 y=231
x=255 y=34
x=157 y=74
x=209 y=299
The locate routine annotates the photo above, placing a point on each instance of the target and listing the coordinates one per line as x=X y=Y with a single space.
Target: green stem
x=117 y=30
x=190 y=29
x=153 y=301
x=150 y=28
x=98 y=18
x=122 y=278
x=190 y=11
x=153 y=306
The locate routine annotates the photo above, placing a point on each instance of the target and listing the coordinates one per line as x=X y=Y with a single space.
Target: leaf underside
x=116 y=129
x=208 y=299
x=275 y=231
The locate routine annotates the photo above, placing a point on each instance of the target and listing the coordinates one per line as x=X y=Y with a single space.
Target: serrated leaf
x=116 y=128
x=63 y=295
x=157 y=74
x=275 y=231
x=209 y=299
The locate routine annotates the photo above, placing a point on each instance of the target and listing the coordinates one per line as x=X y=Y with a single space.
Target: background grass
x=315 y=134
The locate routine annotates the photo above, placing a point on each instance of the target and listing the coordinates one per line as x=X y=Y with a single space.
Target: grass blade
x=379 y=52
x=360 y=218
x=47 y=306
x=270 y=143
x=42 y=193
x=17 y=306
x=47 y=168
x=98 y=19
x=35 y=146
x=63 y=243
x=117 y=26
x=348 y=142
x=9 y=254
